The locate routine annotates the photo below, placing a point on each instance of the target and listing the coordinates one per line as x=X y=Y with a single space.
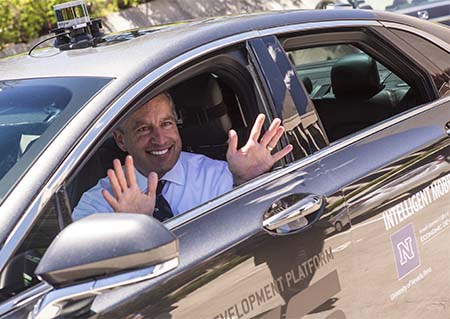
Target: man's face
x=151 y=136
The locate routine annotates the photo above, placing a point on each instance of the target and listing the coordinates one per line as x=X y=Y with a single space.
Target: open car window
x=351 y=90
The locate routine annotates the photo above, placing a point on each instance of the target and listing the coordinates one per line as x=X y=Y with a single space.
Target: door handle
x=297 y=211
x=447 y=128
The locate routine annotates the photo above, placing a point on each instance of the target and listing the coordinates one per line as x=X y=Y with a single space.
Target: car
x=433 y=10
x=364 y=97
x=343 y=4
x=331 y=4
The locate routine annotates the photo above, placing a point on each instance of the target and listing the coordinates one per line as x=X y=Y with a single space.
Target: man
x=151 y=138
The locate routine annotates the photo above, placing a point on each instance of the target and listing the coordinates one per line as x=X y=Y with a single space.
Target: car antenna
x=75 y=29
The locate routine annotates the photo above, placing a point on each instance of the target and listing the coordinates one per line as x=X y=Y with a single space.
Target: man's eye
x=142 y=129
x=166 y=123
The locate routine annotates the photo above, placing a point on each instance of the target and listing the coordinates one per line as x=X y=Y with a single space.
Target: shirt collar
x=175 y=175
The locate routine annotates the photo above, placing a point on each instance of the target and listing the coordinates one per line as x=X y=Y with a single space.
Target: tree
x=23 y=20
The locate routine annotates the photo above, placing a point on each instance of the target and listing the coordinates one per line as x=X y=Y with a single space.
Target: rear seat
x=359 y=99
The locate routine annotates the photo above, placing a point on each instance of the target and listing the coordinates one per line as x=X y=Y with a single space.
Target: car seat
x=205 y=118
x=359 y=99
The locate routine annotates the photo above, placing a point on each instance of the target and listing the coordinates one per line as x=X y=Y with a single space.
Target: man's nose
x=158 y=136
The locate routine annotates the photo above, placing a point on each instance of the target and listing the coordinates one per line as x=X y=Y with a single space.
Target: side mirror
x=101 y=252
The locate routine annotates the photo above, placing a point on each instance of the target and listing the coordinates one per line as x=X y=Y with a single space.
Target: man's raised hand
x=255 y=157
x=127 y=197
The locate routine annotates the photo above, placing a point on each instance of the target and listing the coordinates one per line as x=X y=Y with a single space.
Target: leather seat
x=359 y=99
x=205 y=116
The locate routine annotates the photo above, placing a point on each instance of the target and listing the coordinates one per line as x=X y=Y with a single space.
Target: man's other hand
x=255 y=157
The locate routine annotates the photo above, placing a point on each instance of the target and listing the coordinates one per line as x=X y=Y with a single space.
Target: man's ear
x=118 y=137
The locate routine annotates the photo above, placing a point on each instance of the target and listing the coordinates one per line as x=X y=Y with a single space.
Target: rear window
x=32 y=111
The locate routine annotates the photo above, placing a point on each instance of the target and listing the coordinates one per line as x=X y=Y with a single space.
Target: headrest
x=355 y=75
x=200 y=101
x=200 y=92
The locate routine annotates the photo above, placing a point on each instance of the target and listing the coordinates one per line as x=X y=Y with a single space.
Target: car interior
x=352 y=91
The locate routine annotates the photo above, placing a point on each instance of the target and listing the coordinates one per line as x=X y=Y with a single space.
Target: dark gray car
x=433 y=10
x=354 y=223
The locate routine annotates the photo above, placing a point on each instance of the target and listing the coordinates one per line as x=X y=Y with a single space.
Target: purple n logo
x=404 y=246
x=405 y=250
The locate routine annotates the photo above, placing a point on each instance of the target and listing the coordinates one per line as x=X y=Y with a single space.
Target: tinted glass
x=435 y=54
x=350 y=89
x=32 y=111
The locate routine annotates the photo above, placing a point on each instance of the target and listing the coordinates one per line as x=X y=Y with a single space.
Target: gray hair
x=121 y=127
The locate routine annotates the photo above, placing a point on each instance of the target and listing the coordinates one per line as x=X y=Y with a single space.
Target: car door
x=395 y=178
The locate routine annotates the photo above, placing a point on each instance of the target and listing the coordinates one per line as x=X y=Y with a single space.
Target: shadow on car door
x=398 y=183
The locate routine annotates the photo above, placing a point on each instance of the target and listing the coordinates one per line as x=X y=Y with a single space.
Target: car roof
x=149 y=48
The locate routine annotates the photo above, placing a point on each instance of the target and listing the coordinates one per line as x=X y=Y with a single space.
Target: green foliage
x=23 y=20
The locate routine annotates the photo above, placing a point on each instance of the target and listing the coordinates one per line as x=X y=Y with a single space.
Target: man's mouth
x=159 y=152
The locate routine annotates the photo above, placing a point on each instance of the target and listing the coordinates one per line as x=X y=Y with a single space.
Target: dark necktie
x=162 y=208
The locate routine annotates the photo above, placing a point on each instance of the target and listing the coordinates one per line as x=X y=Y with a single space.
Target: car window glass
x=18 y=273
x=435 y=54
x=31 y=113
x=349 y=88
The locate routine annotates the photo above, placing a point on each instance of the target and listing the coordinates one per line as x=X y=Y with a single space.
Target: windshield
x=32 y=111
x=393 y=5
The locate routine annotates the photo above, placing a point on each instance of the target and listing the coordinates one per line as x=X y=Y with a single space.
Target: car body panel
x=393 y=235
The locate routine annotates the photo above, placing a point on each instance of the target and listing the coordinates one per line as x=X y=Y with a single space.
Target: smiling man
x=150 y=136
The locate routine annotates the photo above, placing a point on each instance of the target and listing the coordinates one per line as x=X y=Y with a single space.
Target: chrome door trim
x=19 y=300
x=318 y=25
x=100 y=127
x=444 y=45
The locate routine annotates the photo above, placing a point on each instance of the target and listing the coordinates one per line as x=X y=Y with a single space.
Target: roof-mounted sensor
x=75 y=29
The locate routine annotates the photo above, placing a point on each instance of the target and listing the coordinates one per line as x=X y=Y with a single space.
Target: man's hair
x=121 y=126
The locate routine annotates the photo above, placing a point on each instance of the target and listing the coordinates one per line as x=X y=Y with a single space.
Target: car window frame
x=373 y=41
x=443 y=75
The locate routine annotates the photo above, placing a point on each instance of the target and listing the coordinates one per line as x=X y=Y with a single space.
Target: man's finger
x=276 y=137
x=285 y=151
x=270 y=133
x=256 y=129
x=110 y=199
x=119 y=174
x=129 y=171
x=232 y=142
x=117 y=190
x=152 y=183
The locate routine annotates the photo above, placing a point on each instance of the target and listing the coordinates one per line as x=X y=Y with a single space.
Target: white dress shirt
x=193 y=180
